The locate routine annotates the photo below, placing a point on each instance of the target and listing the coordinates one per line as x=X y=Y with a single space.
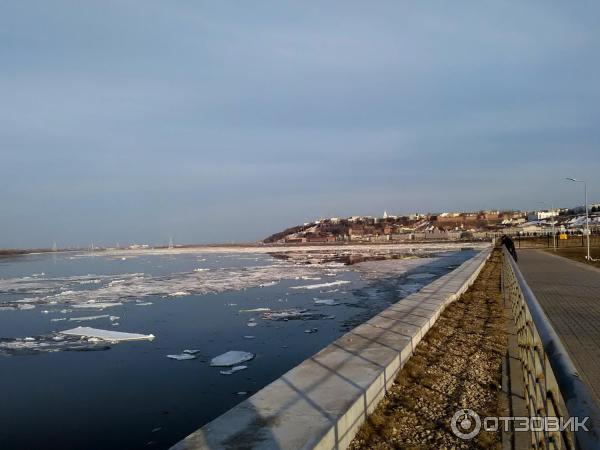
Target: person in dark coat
x=510 y=246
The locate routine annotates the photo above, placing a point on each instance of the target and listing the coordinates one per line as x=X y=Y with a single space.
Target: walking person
x=510 y=246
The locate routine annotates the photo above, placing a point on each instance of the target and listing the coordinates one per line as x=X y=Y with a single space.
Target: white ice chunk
x=231 y=358
x=321 y=285
x=233 y=370
x=106 y=335
x=181 y=357
x=254 y=310
x=88 y=318
x=99 y=305
x=26 y=306
x=179 y=294
x=326 y=302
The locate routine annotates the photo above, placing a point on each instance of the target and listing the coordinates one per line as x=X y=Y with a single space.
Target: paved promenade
x=569 y=292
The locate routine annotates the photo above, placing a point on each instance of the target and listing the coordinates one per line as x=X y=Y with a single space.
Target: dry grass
x=579 y=253
x=457 y=365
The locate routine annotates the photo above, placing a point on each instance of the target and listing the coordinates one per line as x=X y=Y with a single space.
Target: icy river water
x=61 y=391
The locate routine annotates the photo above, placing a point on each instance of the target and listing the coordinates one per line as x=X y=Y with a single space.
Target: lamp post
x=587 y=225
x=553 y=222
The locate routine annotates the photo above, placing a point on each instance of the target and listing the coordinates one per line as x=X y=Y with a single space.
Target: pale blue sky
x=132 y=121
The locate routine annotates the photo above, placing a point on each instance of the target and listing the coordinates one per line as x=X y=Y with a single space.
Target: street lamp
x=587 y=225
x=553 y=222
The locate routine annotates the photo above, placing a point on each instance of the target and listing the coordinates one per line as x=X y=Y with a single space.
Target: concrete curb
x=321 y=403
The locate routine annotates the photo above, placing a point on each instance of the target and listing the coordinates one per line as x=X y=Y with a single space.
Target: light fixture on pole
x=587 y=225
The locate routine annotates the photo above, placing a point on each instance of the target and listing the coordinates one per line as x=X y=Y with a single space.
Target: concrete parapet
x=321 y=403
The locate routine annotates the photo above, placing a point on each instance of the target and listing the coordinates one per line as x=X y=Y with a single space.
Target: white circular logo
x=465 y=423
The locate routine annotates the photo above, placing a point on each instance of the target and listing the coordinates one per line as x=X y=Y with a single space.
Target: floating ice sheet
x=99 y=305
x=179 y=294
x=293 y=314
x=26 y=306
x=88 y=318
x=191 y=352
x=233 y=370
x=181 y=356
x=48 y=343
x=326 y=302
x=254 y=310
x=231 y=358
x=321 y=285
x=106 y=335
x=104 y=291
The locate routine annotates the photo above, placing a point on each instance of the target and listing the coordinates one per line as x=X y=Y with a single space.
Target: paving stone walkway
x=569 y=292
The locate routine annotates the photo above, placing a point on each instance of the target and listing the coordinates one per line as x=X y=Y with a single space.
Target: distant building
x=541 y=215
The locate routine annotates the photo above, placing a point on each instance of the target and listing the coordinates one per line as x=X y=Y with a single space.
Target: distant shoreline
x=22 y=252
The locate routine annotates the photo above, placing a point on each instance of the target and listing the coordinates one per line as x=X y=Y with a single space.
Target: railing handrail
x=576 y=395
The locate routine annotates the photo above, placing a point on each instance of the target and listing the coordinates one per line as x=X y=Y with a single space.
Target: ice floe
x=106 y=335
x=99 y=305
x=321 y=285
x=233 y=370
x=181 y=356
x=48 y=343
x=179 y=294
x=191 y=351
x=292 y=314
x=326 y=302
x=104 y=291
x=88 y=318
x=26 y=306
x=231 y=358
x=254 y=310
x=391 y=267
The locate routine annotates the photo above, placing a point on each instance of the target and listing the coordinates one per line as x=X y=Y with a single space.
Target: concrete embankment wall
x=320 y=403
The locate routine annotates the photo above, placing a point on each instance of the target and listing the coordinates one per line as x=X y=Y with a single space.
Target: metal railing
x=552 y=385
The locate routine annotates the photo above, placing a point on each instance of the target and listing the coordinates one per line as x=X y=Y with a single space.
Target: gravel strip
x=457 y=365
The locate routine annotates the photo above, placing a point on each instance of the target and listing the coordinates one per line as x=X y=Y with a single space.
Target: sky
x=134 y=121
